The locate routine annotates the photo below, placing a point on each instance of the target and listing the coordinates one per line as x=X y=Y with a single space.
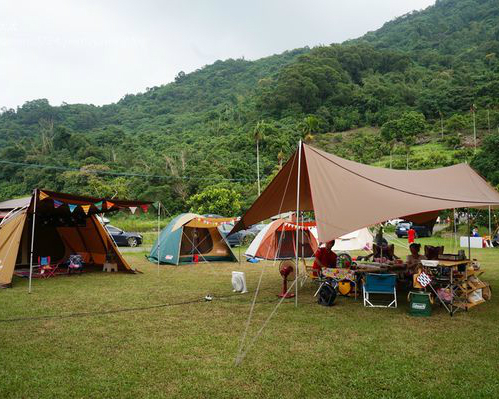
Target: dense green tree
x=486 y=160
x=216 y=200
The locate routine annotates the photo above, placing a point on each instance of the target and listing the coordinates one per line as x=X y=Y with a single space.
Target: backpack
x=327 y=293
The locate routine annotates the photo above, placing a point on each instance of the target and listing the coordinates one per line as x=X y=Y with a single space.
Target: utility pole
x=488 y=119
x=473 y=109
x=441 y=124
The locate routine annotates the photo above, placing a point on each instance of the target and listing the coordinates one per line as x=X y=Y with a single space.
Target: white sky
x=91 y=51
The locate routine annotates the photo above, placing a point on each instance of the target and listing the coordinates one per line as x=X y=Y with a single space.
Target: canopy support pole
x=159 y=223
x=32 y=241
x=455 y=221
x=297 y=220
x=490 y=227
x=302 y=236
x=469 y=237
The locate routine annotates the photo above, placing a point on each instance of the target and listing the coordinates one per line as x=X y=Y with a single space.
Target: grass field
x=113 y=335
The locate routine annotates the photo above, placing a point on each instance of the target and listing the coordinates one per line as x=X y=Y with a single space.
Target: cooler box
x=420 y=304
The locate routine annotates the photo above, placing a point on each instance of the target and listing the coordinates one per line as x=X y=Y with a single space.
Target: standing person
x=413 y=262
x=411 y=235
x=414 y=258
x=324 y=258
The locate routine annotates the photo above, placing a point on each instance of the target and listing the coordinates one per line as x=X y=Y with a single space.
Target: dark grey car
x=241 y=237
x=123 y=238
x=403 y=229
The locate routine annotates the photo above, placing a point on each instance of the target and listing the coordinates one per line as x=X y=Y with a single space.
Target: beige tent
x=347 y=196
x=59 y=232
x=356 y=240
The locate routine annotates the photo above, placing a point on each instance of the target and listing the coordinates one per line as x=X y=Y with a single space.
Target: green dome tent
x=189 y=235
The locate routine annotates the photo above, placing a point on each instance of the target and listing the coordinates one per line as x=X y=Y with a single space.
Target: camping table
x=453 y=284
x=376 y=267
x=340 y=274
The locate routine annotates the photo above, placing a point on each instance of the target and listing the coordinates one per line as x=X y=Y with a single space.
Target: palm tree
x=280 y=158
x=258 y=135
x=310 y=125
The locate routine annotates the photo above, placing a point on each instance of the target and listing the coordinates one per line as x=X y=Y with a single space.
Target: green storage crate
x=419 y=304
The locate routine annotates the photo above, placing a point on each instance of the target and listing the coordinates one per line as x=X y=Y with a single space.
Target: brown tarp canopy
x=58 y=232
x=347 y=196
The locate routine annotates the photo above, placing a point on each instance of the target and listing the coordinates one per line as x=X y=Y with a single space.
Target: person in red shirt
x=411 y=235
x=324 y=258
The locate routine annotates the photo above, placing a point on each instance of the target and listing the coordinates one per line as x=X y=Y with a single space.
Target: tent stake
x=298 y=221
x=32 y=241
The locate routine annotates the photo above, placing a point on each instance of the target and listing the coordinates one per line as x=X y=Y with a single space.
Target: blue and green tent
x=189 y=237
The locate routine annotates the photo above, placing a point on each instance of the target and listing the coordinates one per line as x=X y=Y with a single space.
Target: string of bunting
x=213 y=222
x=86 y=207
x=295 y=226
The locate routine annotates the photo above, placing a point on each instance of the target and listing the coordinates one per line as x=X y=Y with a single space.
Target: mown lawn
x=188 y=350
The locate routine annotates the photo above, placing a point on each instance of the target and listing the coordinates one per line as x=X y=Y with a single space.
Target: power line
x=111 y=173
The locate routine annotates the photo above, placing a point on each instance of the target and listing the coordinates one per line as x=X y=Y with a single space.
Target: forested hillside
x=414 y=84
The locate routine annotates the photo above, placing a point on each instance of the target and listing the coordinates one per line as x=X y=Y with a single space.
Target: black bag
x=327 y=294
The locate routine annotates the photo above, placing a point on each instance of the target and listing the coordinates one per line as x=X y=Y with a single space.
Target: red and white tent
x=278 y=241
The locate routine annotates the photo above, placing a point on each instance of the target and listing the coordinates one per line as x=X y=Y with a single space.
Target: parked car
x=403 y=228
x=240 y=237
x=104 y=220
x=123 y=238
x=394 y=222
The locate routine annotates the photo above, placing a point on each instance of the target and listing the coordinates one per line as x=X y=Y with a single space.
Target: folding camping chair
x=45 y=267
x=75 y=264
x=382 y=284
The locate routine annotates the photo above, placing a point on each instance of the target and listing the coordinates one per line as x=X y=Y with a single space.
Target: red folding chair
x=45 y=267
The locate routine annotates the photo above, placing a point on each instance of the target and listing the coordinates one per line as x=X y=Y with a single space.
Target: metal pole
x=159 y=227
x=469 y=238
x=490 y=227
x=297 y=219
x=474 y=126
x=302 y=235
x=455 y=228
x=32 y=240
x=442 y=124
x=258 y=166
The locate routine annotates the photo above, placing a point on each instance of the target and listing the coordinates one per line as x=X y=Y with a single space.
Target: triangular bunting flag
x=85 y=208
x=133 y=209
x=109 y=204
x=144 y=208
x=72 y=207
x=98 y=205
x=42 y=196
x=57 y=204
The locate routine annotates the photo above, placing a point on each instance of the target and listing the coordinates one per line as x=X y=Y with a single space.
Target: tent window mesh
x=196 y=241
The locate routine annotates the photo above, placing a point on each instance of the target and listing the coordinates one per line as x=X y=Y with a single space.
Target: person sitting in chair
x=324 y=258
x=414 y=258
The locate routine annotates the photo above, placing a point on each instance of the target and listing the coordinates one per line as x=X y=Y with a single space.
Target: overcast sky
x=96 y=51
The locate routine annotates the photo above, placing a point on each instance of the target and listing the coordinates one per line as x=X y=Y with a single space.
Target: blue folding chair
x=380 y=284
